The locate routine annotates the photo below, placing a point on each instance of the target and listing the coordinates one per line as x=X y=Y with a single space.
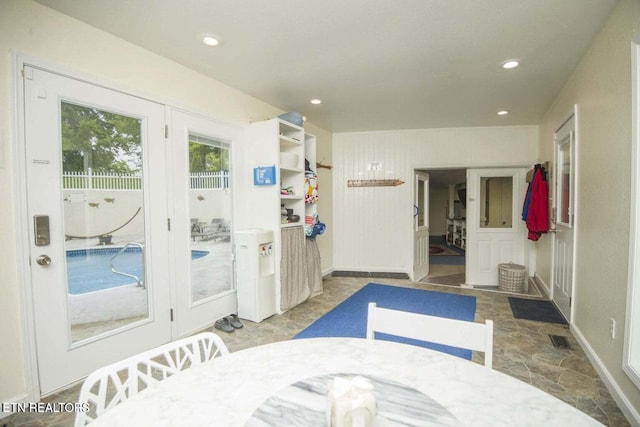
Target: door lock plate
x=41 y=230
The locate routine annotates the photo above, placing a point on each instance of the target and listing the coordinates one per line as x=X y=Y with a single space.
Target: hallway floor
x=522 y=349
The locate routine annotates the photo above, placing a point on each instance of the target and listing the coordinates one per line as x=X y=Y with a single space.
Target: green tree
x=100 y=140
x=207 y=158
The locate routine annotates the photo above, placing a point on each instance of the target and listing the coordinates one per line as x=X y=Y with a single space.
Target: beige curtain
x=314 y=268
x=293 y=268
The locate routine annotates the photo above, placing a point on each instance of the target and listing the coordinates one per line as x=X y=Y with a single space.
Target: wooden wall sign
x=374 y=182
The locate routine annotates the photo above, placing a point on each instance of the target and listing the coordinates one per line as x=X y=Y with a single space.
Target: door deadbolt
x=43 y=260
x=41 y=230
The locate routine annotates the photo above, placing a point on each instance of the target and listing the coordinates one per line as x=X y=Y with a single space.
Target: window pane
x=496 y=202
x=421 y=205
x=210 y=213
x=103 y=220
x=564 y=182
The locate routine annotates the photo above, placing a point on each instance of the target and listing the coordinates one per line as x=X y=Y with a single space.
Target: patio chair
x=197 y=229
x=113 y=384
x=440 y=330
x=216 y=230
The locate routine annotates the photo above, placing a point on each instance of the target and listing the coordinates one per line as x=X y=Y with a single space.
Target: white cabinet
x=281 y=147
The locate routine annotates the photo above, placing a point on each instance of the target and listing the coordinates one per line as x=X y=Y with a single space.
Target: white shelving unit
x=456 y=226
x=291 y=175
x=268 y=144
x=457 y=232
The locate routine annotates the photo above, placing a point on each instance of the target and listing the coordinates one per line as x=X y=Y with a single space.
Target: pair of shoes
x=224 y=325
x=234 y=321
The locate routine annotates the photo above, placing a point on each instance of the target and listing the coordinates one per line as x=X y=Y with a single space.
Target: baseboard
x=542 y=285
x=376 y=274
x=327 y=272
x=632 y=414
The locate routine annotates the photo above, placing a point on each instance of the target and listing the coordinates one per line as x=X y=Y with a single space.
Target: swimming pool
x=88 y=270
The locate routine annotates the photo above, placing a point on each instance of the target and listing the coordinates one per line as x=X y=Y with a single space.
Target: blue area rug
x=349 y=318
x=540 y=310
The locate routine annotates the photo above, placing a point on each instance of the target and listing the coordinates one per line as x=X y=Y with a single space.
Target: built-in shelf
x=457 y=232
x=284 y=145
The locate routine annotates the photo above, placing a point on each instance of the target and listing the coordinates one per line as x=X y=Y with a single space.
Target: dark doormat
x=540 y=310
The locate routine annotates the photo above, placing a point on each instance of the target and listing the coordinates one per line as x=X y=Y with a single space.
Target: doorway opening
x=474 y=226
x=447 y=226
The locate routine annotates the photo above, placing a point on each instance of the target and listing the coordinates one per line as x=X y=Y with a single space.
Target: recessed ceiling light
x=503 y=112
x=512 y=63
x=316 y=101
x=211 y=39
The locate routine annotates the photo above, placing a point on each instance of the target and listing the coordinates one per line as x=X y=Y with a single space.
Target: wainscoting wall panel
x=373 y=226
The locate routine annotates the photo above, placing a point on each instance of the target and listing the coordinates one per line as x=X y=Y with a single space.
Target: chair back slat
x=113 y=384
x=434 y=329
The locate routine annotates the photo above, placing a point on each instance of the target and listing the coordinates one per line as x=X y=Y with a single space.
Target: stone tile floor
x=522 y=349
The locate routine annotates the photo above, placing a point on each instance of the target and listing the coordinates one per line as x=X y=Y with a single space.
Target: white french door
x=563 y=241
x=91 y=134
x=202 y=203
x=495 y=232
x=130 y=227
x=420 y=226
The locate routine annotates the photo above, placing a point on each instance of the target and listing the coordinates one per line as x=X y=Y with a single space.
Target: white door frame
x=574 y=212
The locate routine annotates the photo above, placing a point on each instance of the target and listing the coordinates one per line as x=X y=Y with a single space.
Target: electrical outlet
x=612 y=326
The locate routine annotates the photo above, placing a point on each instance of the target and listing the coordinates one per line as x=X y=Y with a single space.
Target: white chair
x=439 y=330
x=108 y=386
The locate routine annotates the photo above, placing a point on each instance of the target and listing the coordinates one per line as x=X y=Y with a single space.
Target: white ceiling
x=376 y=64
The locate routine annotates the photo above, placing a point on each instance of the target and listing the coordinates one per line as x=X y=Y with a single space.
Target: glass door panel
x=210 y=213
x=564 y=182
x=103 y=220
x=496 y=202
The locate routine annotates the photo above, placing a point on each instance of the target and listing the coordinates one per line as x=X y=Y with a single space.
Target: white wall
x=32 y=29
x=438 y=202
x=601 y=86
x=373 y=226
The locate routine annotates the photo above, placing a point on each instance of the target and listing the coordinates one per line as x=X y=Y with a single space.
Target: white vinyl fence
x=121 y=181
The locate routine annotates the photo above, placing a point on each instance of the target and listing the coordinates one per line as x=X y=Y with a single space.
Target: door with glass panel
x=564 y=208
x=202 y=250
x=96 y=201
x=495 y=232
x=420 y=226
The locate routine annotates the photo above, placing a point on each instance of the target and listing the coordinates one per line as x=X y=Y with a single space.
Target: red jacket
x=538 y=213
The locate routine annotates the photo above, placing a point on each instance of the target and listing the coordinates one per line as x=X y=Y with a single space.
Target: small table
x=229 y=390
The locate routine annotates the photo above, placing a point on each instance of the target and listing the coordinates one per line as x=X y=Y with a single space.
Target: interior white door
x=202 y=250
x=86 y=316
x=421 y=226
x=563 y=242
x=495 y=232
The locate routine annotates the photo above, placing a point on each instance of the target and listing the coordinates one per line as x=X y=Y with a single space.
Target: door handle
x=43 y=260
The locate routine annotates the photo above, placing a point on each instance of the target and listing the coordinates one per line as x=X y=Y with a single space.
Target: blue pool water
x=88 y=270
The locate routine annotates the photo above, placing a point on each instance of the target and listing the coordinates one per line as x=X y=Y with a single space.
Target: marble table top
x=228 y=391
x=305 y=403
